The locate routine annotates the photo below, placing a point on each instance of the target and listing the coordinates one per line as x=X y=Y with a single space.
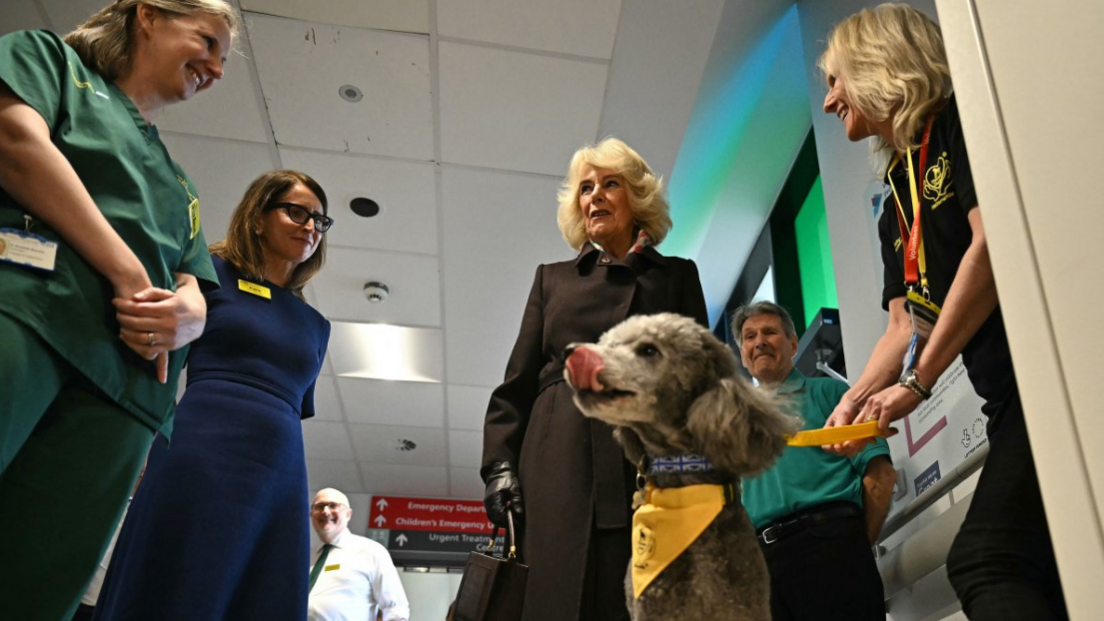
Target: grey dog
x=670 y=388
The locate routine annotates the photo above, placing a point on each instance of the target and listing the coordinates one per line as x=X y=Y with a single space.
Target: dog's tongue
x=583 y=365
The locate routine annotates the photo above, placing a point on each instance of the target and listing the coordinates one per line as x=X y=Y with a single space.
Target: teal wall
x=814 y=255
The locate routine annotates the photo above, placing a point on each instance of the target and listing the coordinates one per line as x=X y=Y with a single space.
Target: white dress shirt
x=357 y=580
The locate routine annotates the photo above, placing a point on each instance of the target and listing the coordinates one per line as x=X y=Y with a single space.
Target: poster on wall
x=938 y=436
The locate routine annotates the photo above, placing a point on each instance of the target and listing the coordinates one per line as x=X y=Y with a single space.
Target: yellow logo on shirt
x=937 y=181
x=88 y=85
x=331 y=567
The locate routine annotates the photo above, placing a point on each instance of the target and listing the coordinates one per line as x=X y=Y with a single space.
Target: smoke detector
x=376 y=292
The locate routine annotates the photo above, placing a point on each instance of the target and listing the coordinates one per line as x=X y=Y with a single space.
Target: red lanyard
x=915 y=264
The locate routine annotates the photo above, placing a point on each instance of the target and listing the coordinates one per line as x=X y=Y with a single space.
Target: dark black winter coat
x=574 y=477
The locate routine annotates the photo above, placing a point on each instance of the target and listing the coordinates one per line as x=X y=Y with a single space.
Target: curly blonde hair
x=893 y=63
x=104 y=41
x=645 y=191
x=242 y=246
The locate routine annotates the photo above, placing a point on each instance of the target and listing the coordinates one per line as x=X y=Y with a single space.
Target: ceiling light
x=386 y=352
x=364 y=207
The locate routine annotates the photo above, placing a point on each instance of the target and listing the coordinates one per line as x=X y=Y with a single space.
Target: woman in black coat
x=563 y=474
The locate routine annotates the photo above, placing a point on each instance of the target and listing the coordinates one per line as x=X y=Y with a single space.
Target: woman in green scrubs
x=102 y=260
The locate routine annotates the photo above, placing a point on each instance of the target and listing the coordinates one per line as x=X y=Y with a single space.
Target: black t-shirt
x=947 y=196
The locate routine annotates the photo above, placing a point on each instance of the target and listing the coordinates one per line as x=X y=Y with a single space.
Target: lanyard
x=916 y=268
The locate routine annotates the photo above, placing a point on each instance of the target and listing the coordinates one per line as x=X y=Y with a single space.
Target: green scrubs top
x=805 y=476
x=145 y=196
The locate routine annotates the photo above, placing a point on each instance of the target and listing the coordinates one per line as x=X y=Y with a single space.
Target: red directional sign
x=435 y=514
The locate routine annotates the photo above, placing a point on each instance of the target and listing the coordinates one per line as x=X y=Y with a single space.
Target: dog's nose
x=583 y=366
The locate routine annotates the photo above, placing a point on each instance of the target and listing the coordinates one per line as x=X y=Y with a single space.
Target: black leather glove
x=502 y=488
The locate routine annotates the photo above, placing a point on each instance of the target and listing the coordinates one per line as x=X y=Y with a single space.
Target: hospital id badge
x=923 y=313
x=28 y=249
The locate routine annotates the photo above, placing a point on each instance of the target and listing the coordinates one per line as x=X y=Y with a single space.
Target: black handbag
x=493 y=588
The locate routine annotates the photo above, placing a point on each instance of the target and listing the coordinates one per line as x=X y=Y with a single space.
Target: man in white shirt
x=352 y=577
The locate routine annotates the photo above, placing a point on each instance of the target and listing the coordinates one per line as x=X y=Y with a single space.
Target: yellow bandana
x=670 y=520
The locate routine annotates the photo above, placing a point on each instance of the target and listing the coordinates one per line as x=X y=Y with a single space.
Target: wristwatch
x=909 y=379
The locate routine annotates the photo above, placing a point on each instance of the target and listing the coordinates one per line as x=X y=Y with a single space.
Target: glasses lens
x=323 y=223
x=297 y=214
x=322 y=506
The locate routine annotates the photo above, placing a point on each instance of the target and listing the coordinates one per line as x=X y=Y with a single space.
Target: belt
x=790 y=524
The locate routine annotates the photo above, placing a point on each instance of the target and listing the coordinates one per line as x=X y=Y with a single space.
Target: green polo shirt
x=807 y=476
x=145 y=196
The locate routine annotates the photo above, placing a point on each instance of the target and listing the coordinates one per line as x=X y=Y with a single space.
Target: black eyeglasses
x=319 y=507
x=300 y=215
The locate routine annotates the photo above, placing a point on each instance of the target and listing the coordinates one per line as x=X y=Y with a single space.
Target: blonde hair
x=892 y=61
x=645 y=191
x=105 y=41
x=242 y=245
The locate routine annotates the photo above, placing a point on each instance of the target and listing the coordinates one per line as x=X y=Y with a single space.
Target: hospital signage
x=432 y=514
x=404 y=523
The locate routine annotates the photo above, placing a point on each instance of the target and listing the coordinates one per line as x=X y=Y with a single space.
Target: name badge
x=260 y=291
x=27 y=249
x=331 y=567
x=193 y=217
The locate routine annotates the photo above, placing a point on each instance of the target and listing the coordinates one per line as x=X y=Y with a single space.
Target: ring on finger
x=150 y=340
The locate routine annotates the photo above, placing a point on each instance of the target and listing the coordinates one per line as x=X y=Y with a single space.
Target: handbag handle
x=510 y=529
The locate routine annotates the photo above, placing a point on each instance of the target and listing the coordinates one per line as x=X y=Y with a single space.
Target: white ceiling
x=470 y=112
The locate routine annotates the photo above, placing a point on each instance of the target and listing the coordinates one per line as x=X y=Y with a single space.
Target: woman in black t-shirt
x=889 y=81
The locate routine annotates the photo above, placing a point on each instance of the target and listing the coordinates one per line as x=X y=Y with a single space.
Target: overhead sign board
x=425 y=529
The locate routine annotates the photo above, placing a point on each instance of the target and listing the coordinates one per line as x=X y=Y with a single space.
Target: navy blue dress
x=219 y=526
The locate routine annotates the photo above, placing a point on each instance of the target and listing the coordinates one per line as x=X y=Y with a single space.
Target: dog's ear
x=739 y=429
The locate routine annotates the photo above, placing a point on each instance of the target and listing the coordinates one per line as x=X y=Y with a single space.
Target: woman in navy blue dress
x=219 y=527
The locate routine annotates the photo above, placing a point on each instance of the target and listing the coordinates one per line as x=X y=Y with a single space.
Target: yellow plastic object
x=835 y=435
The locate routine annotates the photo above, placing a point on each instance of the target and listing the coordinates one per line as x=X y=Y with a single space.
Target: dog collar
x=674 y=464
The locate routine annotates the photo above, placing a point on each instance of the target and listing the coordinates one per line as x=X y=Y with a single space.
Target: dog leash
x=835 y=435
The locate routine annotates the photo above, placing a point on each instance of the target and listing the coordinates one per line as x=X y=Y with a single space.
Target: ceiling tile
x=302 y=65
x=222 y=170
x=400 y=15
x=580 y=27
x=20 y=16
x=467 y=405
x=516 y=111
x=231 y=108
x=484 y=294
x=465 y=448
x=393 y=444
x=342 y=475
x=465 y=483
x=324 y=440
x=405 y=192
x=414 y=404
x=66 y=15
x=413 y=280
x=404 y=480
x=326 y=404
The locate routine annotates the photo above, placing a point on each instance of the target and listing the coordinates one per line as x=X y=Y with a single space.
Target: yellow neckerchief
x=668 y=522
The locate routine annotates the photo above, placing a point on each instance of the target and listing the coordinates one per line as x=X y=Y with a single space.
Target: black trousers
x=825 y=572
x=604 y=596
x=1001 y=564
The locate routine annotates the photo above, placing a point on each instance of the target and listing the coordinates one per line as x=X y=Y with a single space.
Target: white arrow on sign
x=380 y=521
x=401 y=540
x=382 y=504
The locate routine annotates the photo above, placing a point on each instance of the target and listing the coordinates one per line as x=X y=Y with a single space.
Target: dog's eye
x=647 y=350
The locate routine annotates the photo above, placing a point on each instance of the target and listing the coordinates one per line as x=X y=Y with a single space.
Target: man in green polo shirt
x=816 y=514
